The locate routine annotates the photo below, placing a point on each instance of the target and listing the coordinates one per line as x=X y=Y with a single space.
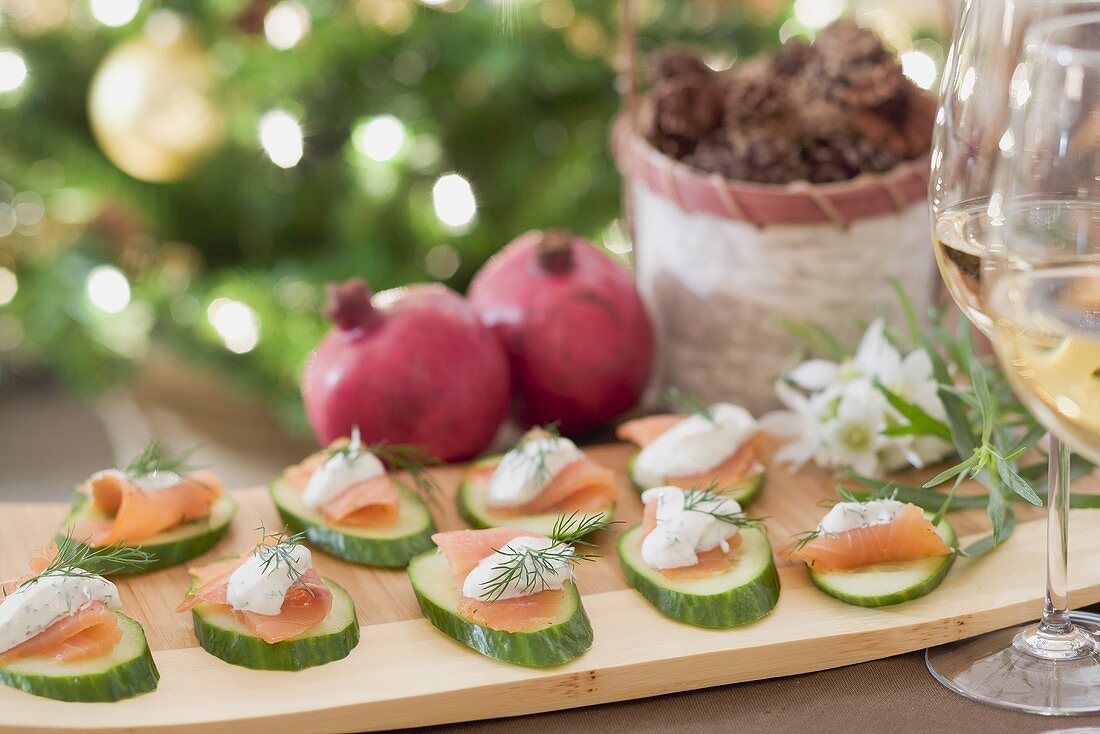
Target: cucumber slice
x=221 y=635
x=473 y=506
x=744 y=493
x=744 y=594
x=567 y=638
x=882 y=584
x=170 y=548
x=126 y=671
x=389 y=547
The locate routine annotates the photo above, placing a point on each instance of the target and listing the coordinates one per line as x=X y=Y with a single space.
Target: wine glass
x=1041 y=290
x=977 y=79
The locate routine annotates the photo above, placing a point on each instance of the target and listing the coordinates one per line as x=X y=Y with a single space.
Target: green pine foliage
x=518 y=106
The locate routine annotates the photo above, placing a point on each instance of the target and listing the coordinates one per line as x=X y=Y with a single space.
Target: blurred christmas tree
x=187 y=174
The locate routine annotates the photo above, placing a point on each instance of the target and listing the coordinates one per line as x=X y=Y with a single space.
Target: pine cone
x=906 y=131
x=754 y=98
x=820 y=118
x=844 y=45
x=764 y=154
x=792 y=58
x=877 y=86
x=674 y=62
x=678 y=113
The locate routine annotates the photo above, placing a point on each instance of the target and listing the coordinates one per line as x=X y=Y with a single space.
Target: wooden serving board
x=405 y=673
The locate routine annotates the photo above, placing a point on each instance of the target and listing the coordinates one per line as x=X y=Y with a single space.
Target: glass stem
x=1056 y=619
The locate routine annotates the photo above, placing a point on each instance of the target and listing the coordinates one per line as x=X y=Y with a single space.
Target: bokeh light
x=13 y=70
x=114 y=13
x=9 y=286
x=281 y=138
x=236 y=323
x=442 y=261
x=380 y=138
x=286 y=24
x=453 y=199
x=818 y=13
x=920 y=68
x=107 y=289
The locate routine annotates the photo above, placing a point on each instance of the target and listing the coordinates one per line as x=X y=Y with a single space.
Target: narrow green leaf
x=816 y=337
x=948 y=500
x=907 y=309
x=1013 y=481
x=917 y=416
x=980 y=547
x=946 y=474
x=998 y=508
x=979 y=383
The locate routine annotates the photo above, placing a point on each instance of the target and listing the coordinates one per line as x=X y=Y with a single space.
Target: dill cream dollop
x=528 y=468
x=682 y=533
x=37 y=604
x=341 y=470
x=696 y=444
x=845 y=516
x=260 y=584
x=548 y=567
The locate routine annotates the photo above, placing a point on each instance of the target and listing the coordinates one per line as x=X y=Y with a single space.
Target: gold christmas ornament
x=151 y=106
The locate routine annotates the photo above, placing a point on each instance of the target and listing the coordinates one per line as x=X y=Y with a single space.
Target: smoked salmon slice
x=371 y=503
x=642 y=431
x=464 y=549
x=136 y=514
x=908 y=537
x=90 y=632
x=38 y=563
x=581 y=486
x=306 y=604
x=730 y=473
x=713 y=562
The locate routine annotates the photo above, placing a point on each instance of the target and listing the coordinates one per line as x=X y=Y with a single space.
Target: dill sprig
x=540 y=474
x=156 y=459
x=407 y=458
x=276 y=551
x=706 y=500
x=801 y=539
x=688 y=402
x=78 y=559
x=531 y=566
x=411 y=460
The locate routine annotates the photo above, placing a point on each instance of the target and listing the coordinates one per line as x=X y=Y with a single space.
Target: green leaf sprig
x=406 y=458
x=156 y=459
x=531 y=566
x=685 y=401
x=705 y=500
x=78 y=559
x=276 y=550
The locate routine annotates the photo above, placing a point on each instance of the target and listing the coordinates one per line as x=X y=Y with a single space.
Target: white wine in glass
x=979 y=77
x=960 y=236
x=1047 y=331
x=1040 y=288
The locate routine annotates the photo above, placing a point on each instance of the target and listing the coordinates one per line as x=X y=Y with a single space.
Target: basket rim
x=839 y=203
x=903 y=169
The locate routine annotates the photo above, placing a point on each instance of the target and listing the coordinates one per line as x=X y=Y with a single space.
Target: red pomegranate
x=576 y=331
x=411 y=365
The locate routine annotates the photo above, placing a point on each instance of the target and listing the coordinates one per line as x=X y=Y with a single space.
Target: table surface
x=892 y=695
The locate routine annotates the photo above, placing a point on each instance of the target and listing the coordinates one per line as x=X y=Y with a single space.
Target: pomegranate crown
x=555 y=250
x=349 y=305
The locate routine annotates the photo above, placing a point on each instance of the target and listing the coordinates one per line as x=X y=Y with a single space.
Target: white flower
x=876 y=357
x=801 y=423
x=853 y=439
x=839 y=418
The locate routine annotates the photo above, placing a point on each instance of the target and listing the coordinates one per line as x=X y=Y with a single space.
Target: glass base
x=996 y=669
